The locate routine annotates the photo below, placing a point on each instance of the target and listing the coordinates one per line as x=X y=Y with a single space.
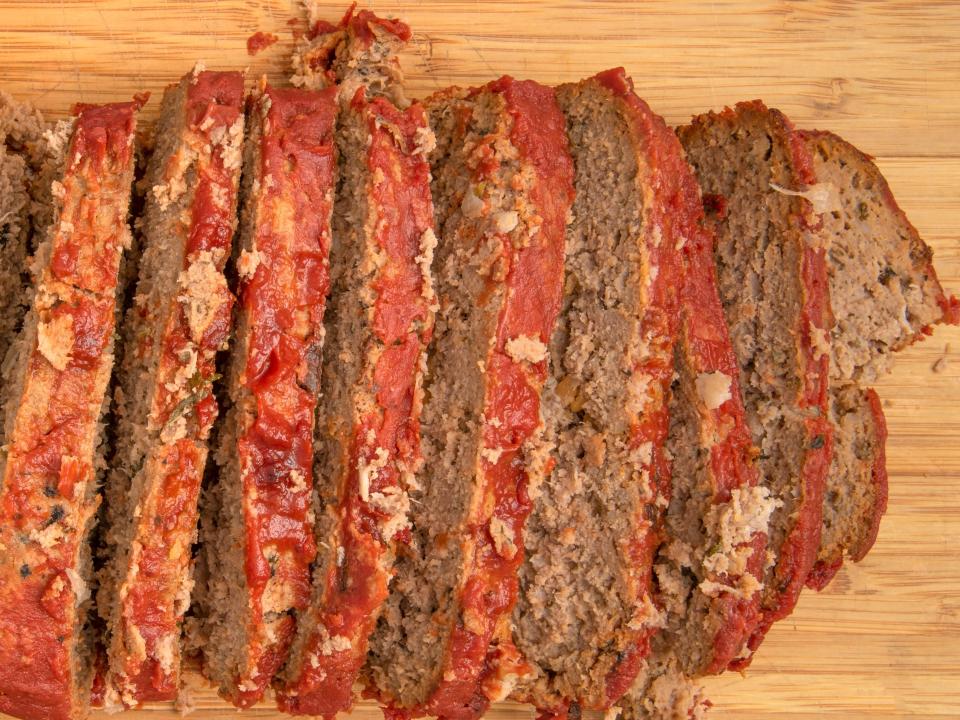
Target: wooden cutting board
x=883 y=641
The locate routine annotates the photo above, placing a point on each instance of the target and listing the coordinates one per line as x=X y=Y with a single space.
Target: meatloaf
x=885 y=296
x=179 y=320
x=586 y=612
x=260 y=507
x=368 y=430
x=21 y=155
x=56 y=394
x=502 y=189
x=773 y=283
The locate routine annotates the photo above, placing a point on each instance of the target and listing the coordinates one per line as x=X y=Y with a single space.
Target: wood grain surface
x=883 y=641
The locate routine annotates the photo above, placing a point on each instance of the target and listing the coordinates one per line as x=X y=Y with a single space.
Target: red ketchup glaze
x=43 y=478
x=284 y=302
x=675 y=212
x=356 y=588
x=260 y=41
x=534 y=285
x=797 y=555
x=169 y=513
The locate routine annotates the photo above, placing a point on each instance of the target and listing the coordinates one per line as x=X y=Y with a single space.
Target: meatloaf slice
x=54 y=401
x=368 y=439
x=586 y=612
x=773 y=283
x=856 y=494
x=502 y=188
x=261 y=504
x=885 y=296
x=21 y=131
x=360 y=51
x=883 y=288
x=179 y=320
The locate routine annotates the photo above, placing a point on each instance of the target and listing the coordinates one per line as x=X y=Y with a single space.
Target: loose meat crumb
x=713 y=389
x=55 y=340
x=526 y=348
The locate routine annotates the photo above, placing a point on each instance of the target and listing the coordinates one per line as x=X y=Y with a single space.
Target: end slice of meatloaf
x=54 y=402
x=380 y=320
x=21 y=131
x=884 y=291
x=773 y=282
x=586 y=611
x=502 y=188
x=257 y=525
x=856 y=495
x=179 y=320
x=360 y=51
x=885 y=296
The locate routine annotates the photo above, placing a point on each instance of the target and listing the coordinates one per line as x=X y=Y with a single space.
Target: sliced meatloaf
x=179 y=320
x=884 y=291
x=360 y=51
x=773 y=283
x=856 y=493
x=502 y=189
x=55 y=397
x=885 y=296
x=380 y=320
x=586 y=612
x=21 y=131
x=261 y=506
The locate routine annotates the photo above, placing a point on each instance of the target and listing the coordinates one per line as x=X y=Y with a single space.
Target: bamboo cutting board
x=883 y=641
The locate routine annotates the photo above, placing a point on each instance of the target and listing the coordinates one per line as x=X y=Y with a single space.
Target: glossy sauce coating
x=283 y=306
x=145 y=652
x=45 y=503
x=387 y=438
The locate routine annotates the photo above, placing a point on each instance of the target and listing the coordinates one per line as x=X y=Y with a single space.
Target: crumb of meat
x=425 y=141
x=526 y=348
x=428 y=243
x=647 y=615
x=612 y=713
x=174 y=430
x=175 y=174
x=298 y=482
x=198 y=68
x=229 y=140
x=733 y=524
x=506 y=221
x=713 y=389
x=472 y=205
x=166 y=652
x=55 y=339
x=81 y=591
x=819 y=342
x=504 y=540
x=202 y=286
x=366 y=471
x=57 y=138
x=395 y=504
x=247 y=263
x=491 y=455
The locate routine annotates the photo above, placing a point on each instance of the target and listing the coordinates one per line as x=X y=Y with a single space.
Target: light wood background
x=884 y=640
